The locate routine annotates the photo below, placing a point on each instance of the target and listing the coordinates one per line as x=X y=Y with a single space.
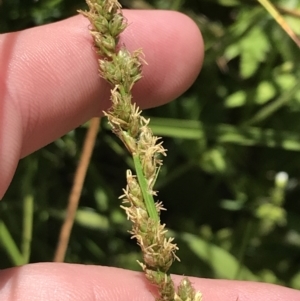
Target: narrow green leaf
x=224 y=264
x=148 y=197
x=226 y=133
x=91 y=219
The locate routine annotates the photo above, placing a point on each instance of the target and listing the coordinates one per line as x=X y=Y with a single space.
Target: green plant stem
x=28 y=204
x=274 y=106
x=148 y=197
x=10 y=246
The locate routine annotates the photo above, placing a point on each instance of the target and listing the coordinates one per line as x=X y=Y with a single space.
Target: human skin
x=49 y=84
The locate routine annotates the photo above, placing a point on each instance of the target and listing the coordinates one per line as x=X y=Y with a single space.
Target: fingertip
x=174 y=51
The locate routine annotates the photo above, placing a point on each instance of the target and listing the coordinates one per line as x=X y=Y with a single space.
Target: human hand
x=74 y=282
x=49 y=81
x=49 y=84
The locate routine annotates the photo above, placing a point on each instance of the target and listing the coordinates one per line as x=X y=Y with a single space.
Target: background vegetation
x=227 y=137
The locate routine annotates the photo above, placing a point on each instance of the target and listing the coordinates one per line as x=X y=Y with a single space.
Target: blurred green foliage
x=227 y=137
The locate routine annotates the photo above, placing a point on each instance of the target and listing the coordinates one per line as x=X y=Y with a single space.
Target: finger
x=69 y=282
x=49 y=82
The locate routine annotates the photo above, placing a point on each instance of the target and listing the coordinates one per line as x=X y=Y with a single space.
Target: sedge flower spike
x=122 y=70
